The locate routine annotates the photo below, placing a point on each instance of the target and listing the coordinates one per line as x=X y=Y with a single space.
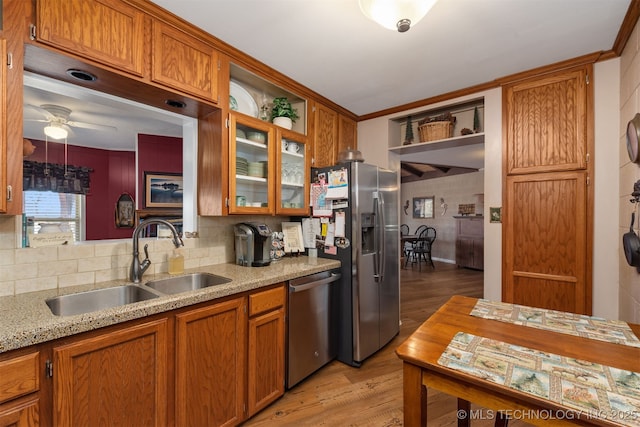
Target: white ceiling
x=333 y=49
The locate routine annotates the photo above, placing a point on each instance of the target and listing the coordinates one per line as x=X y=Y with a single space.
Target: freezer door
x=388 y=195
x=365 y=289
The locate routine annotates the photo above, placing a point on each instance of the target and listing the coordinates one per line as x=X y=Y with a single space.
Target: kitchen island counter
x=27 y=320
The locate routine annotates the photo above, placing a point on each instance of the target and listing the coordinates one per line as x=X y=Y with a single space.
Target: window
x=60 y=211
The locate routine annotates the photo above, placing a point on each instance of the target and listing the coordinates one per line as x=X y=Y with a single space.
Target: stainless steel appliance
x=253 y=243
x=311 y=329
x=368 y=302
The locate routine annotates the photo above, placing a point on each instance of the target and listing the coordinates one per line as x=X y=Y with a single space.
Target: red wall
x=114 y=174
x=157 y=154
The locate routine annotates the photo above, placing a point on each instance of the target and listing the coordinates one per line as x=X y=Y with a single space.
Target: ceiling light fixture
x=396 y=14
x=55 y=131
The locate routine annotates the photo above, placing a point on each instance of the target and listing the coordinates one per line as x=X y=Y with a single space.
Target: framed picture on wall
x=423 y=207
x=162 y=190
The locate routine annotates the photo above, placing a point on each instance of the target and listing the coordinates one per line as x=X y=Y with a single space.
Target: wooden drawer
x=19 y=376
x=260 y=302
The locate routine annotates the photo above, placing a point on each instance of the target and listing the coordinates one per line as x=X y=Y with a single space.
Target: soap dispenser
x=176 y=262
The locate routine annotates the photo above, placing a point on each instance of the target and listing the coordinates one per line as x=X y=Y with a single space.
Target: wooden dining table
x=422 y=351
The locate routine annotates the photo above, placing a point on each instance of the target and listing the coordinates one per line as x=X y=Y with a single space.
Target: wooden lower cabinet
x=117 y=378
x=470 y=242
x=19 y=390
x=220 y=362
x=210 y=364
x=217 y=347
x=266 y=352
x=22 y=413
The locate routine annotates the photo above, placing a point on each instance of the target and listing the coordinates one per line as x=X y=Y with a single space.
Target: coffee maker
x=253 y=244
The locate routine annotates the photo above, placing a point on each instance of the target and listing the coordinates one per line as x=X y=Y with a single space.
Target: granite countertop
x=27 y=320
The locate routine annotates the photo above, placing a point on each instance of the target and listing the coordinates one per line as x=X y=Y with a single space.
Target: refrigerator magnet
x=342 y=242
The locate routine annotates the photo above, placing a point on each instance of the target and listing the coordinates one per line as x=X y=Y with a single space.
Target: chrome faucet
x=138 y=268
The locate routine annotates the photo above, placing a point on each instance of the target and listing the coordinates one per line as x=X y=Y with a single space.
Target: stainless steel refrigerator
x=366 y=303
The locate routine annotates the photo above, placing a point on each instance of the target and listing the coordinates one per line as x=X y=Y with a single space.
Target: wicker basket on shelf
x=433 y=131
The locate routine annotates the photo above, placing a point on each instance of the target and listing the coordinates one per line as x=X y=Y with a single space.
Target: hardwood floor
x=340 y=395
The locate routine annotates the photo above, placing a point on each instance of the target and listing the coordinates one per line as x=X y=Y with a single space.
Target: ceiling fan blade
x=36 y=120
x=94 y=126
x=41 y=110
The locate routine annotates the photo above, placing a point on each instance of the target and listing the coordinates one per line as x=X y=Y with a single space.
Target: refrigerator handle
x=380 y=222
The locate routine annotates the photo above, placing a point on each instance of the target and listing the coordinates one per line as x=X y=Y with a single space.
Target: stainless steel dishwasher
x=311 y=326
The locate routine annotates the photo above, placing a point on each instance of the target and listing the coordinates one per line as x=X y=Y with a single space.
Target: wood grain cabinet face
x=210 y=364
x=547 y=221
x=20 y=413
x=182 y=62
x=3 y=129
x=325 y=132
x=19 y=386
x=347 y=134
x=266 y=354
x=546 y=123
x=106 y=31
x=117 y=378
x=546 y=251
x=470 y=242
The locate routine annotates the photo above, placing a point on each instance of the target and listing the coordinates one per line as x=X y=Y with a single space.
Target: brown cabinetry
x=3 y=128
x=115 y=378
x=325 y=136
x=347 y=133
x=547 y=221
x=265 y=379
x=183 y=62
x=546 y=123
x=268 y=168
x=19 y=387
x=470 y=242
x=210 y=364
x=110 y=32
x=230 y=361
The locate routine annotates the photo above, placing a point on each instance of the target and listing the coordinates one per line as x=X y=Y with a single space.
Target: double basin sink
x=100 y=299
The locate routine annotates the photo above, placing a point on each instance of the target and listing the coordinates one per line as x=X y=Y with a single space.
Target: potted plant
x=282 y=113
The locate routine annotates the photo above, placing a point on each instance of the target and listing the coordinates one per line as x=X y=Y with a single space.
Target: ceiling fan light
x=55 y=131
x=397 y=15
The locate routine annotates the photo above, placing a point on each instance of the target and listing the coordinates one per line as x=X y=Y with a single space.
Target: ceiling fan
x=58 y=121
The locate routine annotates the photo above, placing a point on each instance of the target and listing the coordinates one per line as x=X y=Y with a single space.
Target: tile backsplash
x=35 y=269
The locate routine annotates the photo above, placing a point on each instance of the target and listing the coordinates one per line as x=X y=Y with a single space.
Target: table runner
x=596 y=328
x=591 y=389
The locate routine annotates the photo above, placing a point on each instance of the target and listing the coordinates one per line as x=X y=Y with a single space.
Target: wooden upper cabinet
x=184 y=62
x=546 y=123
x=325 y=136
x=106 y=31
x=347 y=134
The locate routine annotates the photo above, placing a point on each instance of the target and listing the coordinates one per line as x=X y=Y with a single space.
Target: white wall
x=605 y=239
x=629 y=173
x=376 y=135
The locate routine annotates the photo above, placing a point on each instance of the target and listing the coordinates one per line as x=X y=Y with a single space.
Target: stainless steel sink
x=189 y=282
x=86 y=302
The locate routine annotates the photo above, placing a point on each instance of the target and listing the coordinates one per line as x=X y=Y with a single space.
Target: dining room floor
x=371 y=396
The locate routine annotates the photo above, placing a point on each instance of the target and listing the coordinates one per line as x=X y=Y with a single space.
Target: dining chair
x=422 y=249
x=410 y=255
x=407 y=246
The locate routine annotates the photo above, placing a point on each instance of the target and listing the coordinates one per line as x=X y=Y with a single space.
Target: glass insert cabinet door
x=293 y=160
x=251 y=170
